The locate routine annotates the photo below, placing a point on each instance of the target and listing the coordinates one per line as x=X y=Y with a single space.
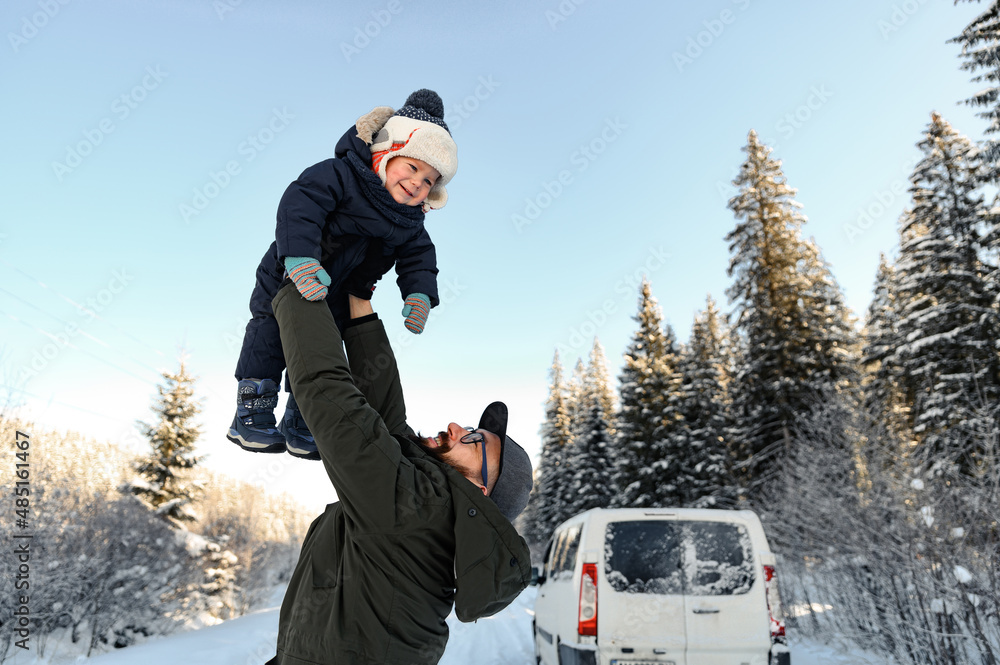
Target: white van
x=638 y=586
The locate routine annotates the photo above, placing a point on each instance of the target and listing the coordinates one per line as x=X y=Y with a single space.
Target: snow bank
x=504 y=639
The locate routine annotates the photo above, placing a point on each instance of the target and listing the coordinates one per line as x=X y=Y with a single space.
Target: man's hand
x=359 y=306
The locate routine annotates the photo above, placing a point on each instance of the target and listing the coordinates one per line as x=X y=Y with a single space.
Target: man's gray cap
x=510 y=493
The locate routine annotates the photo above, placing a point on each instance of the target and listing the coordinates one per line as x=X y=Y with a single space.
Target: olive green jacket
x=410 y=537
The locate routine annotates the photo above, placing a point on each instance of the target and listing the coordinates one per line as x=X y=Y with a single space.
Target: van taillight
x=774 y=605
x=588 y=600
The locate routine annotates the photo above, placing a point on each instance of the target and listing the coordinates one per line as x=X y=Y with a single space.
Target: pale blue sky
x=621 y=122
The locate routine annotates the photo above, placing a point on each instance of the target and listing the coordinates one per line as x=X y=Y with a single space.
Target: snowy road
x=504 y=639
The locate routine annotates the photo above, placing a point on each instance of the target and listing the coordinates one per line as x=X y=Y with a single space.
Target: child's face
x=409 y=180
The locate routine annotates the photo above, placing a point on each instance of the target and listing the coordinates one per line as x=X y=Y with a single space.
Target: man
x=422 y=523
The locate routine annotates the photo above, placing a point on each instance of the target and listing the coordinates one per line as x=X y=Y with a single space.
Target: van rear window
x=643 y=557
x=678 y=557
x=720 y=559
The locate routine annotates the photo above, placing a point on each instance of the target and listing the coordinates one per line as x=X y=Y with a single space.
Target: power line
x=71 y=345
x=83 y=308
x=49 y=314
x=68 y=326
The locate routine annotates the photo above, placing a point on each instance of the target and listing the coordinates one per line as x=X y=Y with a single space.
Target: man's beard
x=442 y=454
x=437 y=453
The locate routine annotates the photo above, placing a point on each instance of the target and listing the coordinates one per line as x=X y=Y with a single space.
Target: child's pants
x=261 y=356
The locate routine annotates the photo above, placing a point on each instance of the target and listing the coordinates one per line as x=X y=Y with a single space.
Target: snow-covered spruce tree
x=575 y=408
x=598 y=381
x=980 y=42
x=883 y=386
x=545 y=507
x=649 y=392
x=161 y=483
x=795 y=332
x=590 y=457
x=707 y=479
x=947 y=318
x=574 y=394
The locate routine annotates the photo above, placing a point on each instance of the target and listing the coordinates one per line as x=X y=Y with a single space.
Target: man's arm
x=373 y=365
x=360 y=455
x=359 y=307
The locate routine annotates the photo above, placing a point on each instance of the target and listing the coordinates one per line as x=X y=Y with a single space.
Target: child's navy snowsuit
x=325 y=215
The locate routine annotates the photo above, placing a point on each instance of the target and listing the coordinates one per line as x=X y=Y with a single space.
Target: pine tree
x=161 y=483
x=599 y=377
x=884 y=396
x=575 y=396
x=980 y=42
x=947 y=318
x=707 y=480
x=795 y=332
x=590 y=460
x=830 y=329
x=576 y=410
x=649 y=387
x=591 y=465
x=546 y=507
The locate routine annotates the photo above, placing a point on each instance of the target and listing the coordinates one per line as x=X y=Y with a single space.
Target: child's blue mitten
x=415 y=309
x=309 y=277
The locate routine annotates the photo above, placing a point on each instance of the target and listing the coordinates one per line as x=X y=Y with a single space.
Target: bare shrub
x=264 y=531
x=105 y=570
x=904 y=554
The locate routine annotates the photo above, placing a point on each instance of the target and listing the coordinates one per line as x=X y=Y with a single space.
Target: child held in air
x=341 y=225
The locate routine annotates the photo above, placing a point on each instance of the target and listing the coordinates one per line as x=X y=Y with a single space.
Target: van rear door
x=641 y=592
x=725 y=607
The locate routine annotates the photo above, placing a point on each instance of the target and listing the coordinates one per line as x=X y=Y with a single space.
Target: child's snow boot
x=298 y=439
x=253 y=427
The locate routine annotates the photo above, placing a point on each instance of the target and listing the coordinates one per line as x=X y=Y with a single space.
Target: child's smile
x=409 y=180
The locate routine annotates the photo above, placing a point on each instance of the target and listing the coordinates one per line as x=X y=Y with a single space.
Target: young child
x=341 y=226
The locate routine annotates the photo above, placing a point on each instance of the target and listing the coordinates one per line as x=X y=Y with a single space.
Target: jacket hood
x=492 y=560
x=351 y=142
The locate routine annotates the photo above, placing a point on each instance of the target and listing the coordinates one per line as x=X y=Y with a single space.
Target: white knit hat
x=417 y=130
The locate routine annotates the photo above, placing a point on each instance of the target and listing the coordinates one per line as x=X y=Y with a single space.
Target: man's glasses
x=477 y=437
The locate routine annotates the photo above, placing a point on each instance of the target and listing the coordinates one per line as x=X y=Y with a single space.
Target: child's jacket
x=325 y=215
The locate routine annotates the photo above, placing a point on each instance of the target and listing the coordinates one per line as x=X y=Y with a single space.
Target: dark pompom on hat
x=424 y=105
